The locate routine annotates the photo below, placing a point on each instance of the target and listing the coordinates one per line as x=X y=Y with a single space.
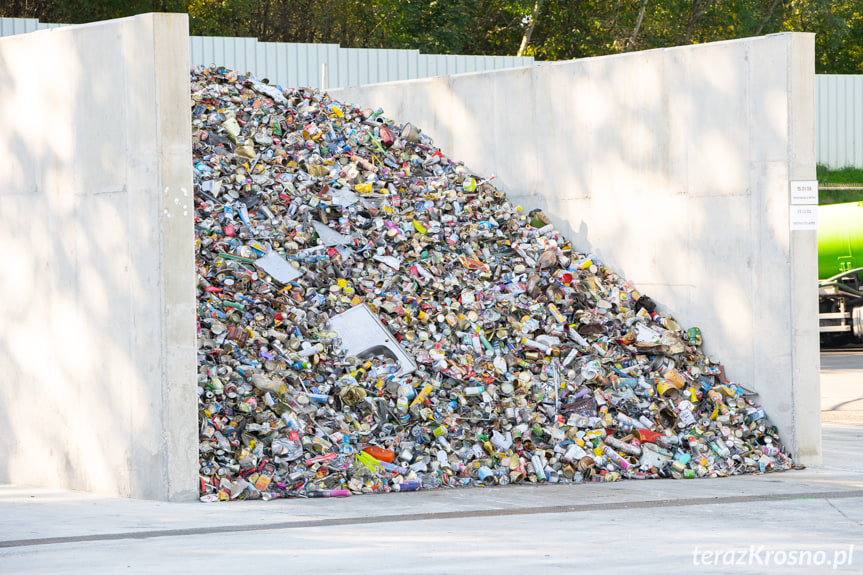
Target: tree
x=525 y=39
x=545 y=29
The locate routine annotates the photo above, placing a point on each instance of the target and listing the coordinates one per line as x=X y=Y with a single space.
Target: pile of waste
x=374 y=317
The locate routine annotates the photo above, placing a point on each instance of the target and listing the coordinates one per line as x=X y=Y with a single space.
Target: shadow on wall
x=606 y=147
x=666 y=169
x=74 y=391
x=670 y=166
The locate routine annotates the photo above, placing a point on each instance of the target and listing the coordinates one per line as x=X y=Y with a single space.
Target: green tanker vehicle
x=840 y=264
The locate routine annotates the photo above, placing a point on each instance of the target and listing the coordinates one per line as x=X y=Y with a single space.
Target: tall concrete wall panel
x=97 y=294
x=673 y=167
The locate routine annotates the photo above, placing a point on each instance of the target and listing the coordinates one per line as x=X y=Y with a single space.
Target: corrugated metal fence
x=839 y=99
x=292 y=65
x=302 y=64
x=12 y=26
x=839 y=120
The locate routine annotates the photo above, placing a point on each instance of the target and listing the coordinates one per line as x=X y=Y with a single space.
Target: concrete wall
x=673 y=167
x=97 y=351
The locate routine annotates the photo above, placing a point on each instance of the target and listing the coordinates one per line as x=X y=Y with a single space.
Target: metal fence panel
x=292 y=65
x=839 y=120
x=13 y=26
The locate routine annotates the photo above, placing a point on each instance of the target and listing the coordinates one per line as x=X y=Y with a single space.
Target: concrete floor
x=806 y=521
x=842 y=387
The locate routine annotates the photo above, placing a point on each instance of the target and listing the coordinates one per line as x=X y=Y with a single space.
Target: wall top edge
x=113 y=21
x=326 y=44
x=536 y=64
x=748 y=39
x=458 y=75
x=36 y=22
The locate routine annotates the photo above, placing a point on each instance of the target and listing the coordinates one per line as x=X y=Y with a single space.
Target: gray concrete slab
x=812 y=518
x=640 y=527
x=842 y=387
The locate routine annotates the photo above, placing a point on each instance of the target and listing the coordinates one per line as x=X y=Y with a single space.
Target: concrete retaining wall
x=97 y=351
x=673 y=167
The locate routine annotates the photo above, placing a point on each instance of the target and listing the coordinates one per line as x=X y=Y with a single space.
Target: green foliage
x=844 y=176
x=827 y=197
x=848 y=175
x=564 y=29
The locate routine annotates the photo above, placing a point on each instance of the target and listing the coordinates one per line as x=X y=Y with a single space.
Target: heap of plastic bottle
x=531 y=362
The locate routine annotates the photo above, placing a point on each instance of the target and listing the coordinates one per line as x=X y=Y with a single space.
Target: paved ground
x=842 y=387
x=807 y=521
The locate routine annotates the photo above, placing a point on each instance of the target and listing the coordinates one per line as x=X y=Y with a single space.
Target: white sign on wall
x=804 y=217
x=804 y=192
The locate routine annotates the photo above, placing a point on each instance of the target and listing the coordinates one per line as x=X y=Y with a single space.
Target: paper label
x=804 y=192
x=804 y=217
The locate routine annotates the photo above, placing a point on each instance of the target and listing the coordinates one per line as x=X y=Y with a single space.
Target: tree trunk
x=766 y=18
x=525 y=40
x=637 y=25
x=695 y=12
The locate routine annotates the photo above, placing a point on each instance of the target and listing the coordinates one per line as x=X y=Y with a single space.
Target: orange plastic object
x=380 y=453
x=646 y=436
